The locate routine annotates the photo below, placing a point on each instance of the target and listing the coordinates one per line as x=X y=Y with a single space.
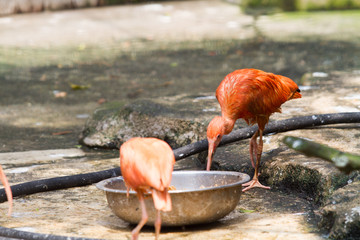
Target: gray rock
x=283 y=169
x=178 y=120
x=312 y=178
x=341 y=213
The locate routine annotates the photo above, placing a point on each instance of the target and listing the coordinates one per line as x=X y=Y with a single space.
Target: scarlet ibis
x=252 y=95
x=146 y=166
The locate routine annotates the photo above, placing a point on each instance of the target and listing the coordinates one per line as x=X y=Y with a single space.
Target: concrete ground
x=170 y=21
x=83 y=212
x=35 y=116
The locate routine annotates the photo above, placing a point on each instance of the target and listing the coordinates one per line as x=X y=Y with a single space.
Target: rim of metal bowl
x=245 y=178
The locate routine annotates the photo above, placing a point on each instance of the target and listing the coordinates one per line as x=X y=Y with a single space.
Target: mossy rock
x=312 y=178
x=178 y=120
x=340 y=215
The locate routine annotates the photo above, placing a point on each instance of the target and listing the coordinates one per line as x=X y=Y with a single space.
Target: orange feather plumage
x=252 y=95
x=147 y=165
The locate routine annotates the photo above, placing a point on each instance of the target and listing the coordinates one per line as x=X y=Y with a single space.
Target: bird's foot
x=253 y=183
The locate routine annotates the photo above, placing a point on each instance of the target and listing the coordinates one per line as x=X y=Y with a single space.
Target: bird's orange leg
x=255 y=181
x=144 y=218
x=157 y=225
x=253 y=148
x=7 y=190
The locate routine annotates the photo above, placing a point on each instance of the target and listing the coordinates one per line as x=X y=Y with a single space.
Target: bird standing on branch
x=146 y=166
x=252 y=95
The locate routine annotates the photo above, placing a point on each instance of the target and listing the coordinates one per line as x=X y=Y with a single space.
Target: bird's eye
x=218 y=136
x=298 y=90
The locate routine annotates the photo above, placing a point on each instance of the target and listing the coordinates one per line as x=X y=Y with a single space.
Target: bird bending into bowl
x=7 y=190
x=252 y=95
x=146 y=166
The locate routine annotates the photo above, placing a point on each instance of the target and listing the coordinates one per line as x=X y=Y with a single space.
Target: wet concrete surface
x=149 y=50
x=83 y=212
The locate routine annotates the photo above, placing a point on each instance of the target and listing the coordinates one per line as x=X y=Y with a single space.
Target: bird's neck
x=228 y=125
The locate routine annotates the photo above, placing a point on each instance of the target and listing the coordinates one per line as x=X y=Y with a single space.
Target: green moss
x=319 y=15
x=106 y=109
x=307 y=182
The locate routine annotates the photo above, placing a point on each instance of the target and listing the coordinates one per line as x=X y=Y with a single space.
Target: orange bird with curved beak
x=252 y=95
x=146 y=166
x=7 y=189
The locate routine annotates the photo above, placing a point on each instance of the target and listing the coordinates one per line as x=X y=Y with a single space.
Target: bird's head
x=215 y=131
x=292 y=88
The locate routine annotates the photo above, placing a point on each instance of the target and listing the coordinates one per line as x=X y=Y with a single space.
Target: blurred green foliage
x=285 y=5
x=300 y=5
x=344 y=161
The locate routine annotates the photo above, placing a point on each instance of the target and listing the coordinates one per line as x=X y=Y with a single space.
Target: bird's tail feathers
x=162 y=200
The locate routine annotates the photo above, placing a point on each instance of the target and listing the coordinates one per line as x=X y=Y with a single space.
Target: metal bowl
x=200 y=197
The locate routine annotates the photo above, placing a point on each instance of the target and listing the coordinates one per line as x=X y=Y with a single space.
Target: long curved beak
x=211 y=152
